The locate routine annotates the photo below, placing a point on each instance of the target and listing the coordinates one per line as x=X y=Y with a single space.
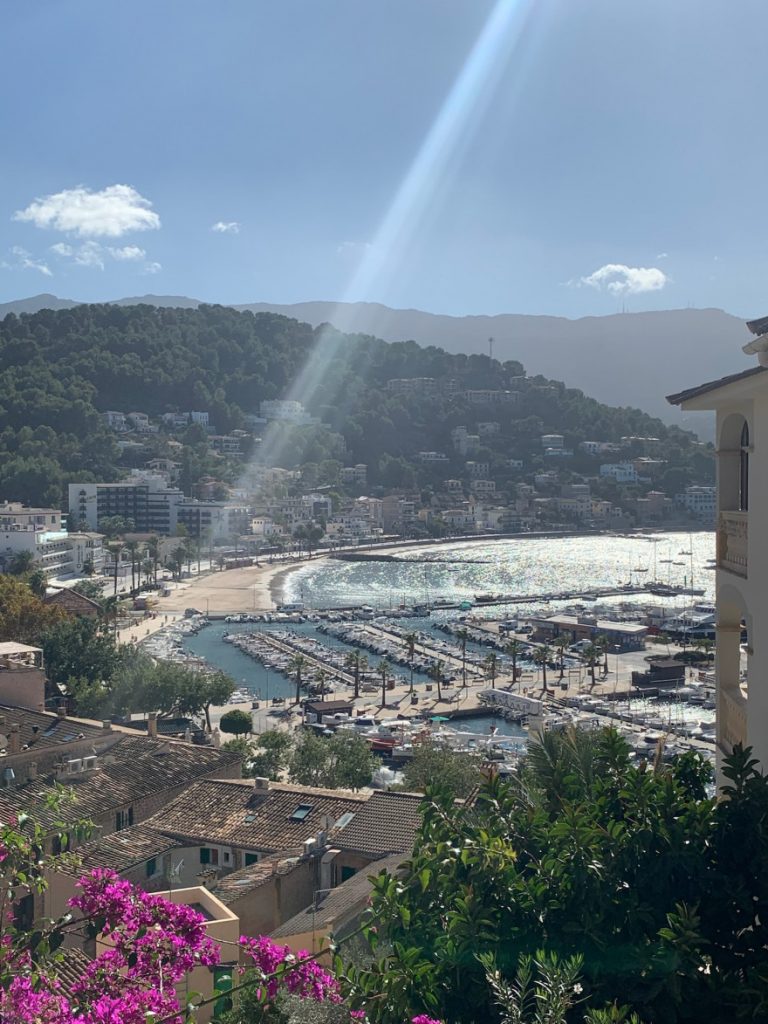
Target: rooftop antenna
x=490 y=349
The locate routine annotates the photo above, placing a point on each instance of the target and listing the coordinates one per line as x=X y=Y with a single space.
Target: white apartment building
x=286 y=411
x=116 y=421
x=701 y=502
x=354 y=476
x=552 y=441
x=740 y=403
x=40 y=532
x=432 y=457
x=482 y=487
x=621 y=472
x=151 y=505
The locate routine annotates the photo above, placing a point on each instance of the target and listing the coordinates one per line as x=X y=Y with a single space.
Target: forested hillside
x=59 y=370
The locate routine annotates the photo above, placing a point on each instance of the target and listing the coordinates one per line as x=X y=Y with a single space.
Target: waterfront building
x=41 y=533
x=150 y=504
x=700 y=502
x=740 y=402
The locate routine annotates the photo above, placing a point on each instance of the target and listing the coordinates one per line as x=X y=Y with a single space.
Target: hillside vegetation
x=59 y=370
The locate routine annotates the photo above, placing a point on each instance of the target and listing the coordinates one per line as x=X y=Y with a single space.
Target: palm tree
x=146 y=568
x=38 y=583
x=115 y=547
x=358 y=663
x=513 y=649
x=541 y=658
x=561 y=642
x=603 y=643
x=322 y=677
x=385 y=672
x=296 y=665
x=463 y=635
x=436 y=671
x=410 y=639
x=153 y=550
x=590 y=656
x=132 y=547
x=491 y=663
x=21 y=563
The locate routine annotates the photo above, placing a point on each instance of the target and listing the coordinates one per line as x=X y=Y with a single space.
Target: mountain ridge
x=630 y=359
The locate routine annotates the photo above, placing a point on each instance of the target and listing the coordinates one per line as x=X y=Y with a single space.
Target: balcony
x=732 y=720
x=732 y=542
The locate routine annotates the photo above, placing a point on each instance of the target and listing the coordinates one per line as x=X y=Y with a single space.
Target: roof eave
x=710 y=396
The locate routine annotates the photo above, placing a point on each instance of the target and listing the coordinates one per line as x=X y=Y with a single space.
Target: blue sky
x=570 y=157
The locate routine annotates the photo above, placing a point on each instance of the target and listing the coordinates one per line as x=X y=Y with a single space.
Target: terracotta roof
x=124 y=849
x=387 y=824
x=240 y=883
x=39 y=729
x=713 y=385
x=234 y=812
x=130 y=769
x=336 y=906
x=70 y=965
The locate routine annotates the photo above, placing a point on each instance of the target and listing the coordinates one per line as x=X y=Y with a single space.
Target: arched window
x=744 y=469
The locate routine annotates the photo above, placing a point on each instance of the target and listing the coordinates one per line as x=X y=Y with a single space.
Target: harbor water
x=528 y=566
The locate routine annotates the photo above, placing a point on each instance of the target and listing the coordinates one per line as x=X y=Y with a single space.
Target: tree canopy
x=660 y=889
x=60 y=370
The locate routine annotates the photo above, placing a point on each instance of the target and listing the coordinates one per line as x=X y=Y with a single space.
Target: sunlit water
x=519 y=566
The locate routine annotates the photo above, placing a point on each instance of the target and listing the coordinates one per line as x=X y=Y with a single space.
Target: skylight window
x=301 y=812
x=344 y=819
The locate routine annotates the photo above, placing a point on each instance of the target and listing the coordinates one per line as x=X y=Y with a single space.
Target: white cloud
x=110 y=213
x=127 y=252
x=356 y=249
x=226 y=227
x=62 y=249
x=26 y=261
x=620 y=279
x=662 y=255
x=90 y=254
x=152 y=268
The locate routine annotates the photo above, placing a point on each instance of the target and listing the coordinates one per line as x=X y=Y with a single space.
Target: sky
x=568 y=157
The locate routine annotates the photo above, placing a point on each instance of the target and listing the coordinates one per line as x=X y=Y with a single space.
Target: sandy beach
x=254 y=588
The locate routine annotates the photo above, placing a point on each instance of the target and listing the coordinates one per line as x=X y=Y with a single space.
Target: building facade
x=740 y=403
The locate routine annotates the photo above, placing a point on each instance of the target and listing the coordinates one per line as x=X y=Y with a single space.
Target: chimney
x=61 y=710
x=14 y=739
x=152 y=724
x=32 y=771
x=261 y=783
x=106 y=725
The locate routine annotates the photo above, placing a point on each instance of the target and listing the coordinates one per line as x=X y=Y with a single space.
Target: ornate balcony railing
x=732 y=542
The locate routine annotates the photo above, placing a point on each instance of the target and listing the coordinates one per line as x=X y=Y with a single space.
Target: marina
x=417 y=662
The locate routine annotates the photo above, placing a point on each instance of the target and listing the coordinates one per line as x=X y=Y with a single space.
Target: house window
x=251 y=858
x=209 y=855
x=152 y=867
x=347 y=872
x=24 y=912
x=123 y=819
x=744 y=469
